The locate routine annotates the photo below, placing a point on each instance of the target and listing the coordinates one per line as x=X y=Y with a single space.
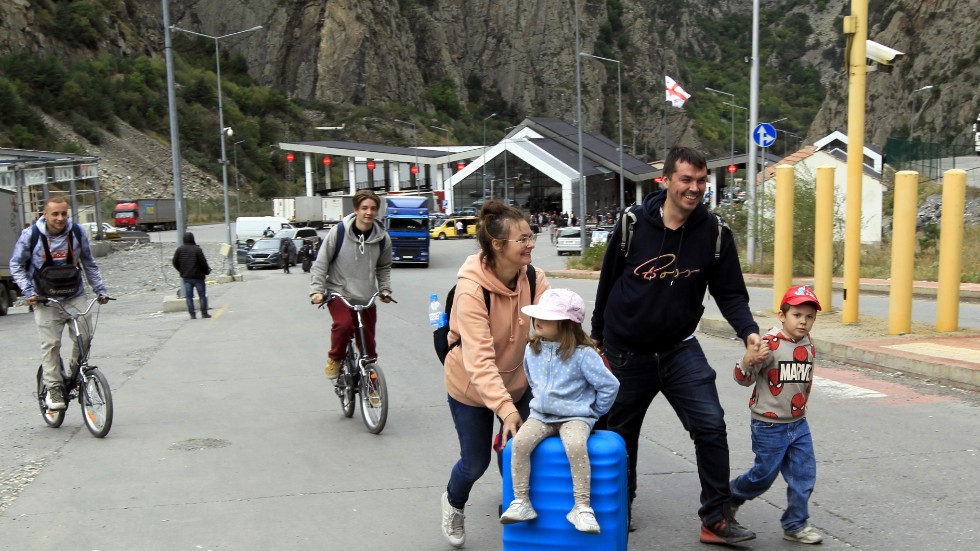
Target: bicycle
x=83 y=381
x=361 y=374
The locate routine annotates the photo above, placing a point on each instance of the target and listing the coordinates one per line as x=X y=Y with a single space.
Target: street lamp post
x=484 y=160
x=415 y=139
x=619 y=95
x=238 y=196
x=446 y=130
x=581 y=169
x=223 y=129
x=733 y=129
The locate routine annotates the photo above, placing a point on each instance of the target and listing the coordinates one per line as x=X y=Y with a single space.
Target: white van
x=249 y=228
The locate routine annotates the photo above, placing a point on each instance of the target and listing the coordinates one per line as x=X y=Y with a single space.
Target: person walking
x=190 y=261
x=658 y=280
x=355 y=262
x=48 y=261
x=487 y=336
x=571 y=388
x=781 y=436
x=286 y=251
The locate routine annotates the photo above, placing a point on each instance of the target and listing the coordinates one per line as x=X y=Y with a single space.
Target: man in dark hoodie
x=647 y=307
x=189 y=260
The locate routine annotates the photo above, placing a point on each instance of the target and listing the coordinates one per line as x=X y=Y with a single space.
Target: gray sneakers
x=806 y=535
x=452 y=523
x=520 y=510
x=55 y=399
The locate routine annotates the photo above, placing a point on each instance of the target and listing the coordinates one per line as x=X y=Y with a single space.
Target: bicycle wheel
x=96 y=400
x=54 y=419
x=345 y=390
x=374 y=398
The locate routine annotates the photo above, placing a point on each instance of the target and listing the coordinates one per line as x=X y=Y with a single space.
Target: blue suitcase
x=551 y=496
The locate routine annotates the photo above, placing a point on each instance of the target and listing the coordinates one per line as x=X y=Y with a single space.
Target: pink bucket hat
x=558 y=304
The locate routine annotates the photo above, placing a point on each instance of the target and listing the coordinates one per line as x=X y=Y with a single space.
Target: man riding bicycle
x=354 y=261
x=47 y=262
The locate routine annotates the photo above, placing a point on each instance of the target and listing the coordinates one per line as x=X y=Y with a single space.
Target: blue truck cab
x=407 y=222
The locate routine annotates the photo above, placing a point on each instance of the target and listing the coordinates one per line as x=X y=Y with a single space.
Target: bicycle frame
x=69 y=374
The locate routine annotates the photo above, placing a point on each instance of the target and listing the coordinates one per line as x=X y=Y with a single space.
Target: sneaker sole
x=710 y=537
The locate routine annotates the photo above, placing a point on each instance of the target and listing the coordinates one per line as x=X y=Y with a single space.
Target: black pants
x=684 y=377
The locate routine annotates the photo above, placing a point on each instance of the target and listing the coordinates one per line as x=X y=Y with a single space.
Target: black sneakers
x=725 y=531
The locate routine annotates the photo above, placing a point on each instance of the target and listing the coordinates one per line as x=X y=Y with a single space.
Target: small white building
x=832 y=151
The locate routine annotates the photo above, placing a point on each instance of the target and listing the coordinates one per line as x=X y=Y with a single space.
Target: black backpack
x=628 y=219
x=440 y=337
x=57 y=280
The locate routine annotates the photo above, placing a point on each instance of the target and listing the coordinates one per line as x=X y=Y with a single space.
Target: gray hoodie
x=356 y=274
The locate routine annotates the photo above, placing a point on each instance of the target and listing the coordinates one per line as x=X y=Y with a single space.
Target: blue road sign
x=764 y=134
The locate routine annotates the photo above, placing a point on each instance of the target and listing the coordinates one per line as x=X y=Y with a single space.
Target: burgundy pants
x=345 y=325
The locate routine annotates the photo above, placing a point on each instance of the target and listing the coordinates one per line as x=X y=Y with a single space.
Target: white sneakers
x=583 y=518
x=452 y=523
x=806 y=535
x=520 y=510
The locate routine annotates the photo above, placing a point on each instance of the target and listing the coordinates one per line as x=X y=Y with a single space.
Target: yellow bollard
x=782 y=254
x=951 y=250
x=903 y=252
x=823 y=246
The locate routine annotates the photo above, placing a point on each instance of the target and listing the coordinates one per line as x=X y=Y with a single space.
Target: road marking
x=844 y=390
x=939 y=351
x=220 y=311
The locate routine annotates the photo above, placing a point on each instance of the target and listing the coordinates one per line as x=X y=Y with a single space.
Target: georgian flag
x=675 y=94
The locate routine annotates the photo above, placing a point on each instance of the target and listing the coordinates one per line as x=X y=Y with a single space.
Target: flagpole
x=663 y=118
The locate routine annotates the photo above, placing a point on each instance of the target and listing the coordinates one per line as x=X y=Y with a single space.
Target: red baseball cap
x=800 y=294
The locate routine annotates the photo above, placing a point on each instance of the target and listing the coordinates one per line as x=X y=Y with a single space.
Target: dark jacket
x=652 y=300
x=189 y=259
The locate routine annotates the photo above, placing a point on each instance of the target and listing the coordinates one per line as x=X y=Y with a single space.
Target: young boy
x=780 y=434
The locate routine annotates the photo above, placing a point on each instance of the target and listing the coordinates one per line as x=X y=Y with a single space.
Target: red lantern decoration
x=326 y=161
x=460 y=166
x=732 y=169
x=414 y=169
x=290 y=157
x=370 y=165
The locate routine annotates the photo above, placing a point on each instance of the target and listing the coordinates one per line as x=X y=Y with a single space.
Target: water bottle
x=435 y=312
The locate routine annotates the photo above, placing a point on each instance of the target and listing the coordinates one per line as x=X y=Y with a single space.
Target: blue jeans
x=189 y=286
x=785 y=448
x=474 y=427
x=688 y=382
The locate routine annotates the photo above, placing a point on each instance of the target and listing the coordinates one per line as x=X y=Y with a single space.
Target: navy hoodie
x=653 y=300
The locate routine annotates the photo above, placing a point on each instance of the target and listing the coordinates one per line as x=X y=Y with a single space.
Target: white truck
x=11 y=223
x=976 y=136
x=316 y=211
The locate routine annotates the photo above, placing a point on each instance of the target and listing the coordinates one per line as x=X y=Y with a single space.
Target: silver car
x=568 y=241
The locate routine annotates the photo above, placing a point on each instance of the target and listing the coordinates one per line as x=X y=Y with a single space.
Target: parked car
x=569 y=241
x=109 y=231
x=447 y=228
x=264 y=253
x=303 y=234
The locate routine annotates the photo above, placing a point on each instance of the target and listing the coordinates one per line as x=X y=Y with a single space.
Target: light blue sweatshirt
x=580 y=388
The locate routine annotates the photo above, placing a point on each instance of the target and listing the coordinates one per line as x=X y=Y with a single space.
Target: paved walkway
x=946 y=358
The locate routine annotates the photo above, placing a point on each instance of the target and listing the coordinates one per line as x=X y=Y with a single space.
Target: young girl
x=571 y=389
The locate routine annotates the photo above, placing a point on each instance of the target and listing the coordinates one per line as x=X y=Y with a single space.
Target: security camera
x=881 y=54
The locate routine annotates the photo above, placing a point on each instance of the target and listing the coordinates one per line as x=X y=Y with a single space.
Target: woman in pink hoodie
x=484 y=374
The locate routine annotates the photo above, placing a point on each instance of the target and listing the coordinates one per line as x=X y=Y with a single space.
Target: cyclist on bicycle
x=48 y=261
x=355 y=264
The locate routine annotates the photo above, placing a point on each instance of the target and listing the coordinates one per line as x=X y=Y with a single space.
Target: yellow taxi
x=446 y=229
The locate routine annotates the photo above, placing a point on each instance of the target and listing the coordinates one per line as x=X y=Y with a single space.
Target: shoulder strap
x=36 y=236
x=716 y=230
x=627 y=220
x=531 y=278
x=340 y=241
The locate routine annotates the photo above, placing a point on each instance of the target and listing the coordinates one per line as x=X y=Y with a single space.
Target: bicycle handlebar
x=60 y=304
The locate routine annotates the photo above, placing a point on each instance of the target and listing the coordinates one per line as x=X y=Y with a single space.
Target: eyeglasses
x=525 y=241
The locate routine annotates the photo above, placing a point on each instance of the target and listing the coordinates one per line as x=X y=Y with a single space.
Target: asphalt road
x=227 y=436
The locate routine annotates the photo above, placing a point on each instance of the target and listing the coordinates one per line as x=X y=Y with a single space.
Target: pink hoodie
x=487 y=369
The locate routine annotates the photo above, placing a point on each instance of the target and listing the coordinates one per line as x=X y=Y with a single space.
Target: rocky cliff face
x=369 y=52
